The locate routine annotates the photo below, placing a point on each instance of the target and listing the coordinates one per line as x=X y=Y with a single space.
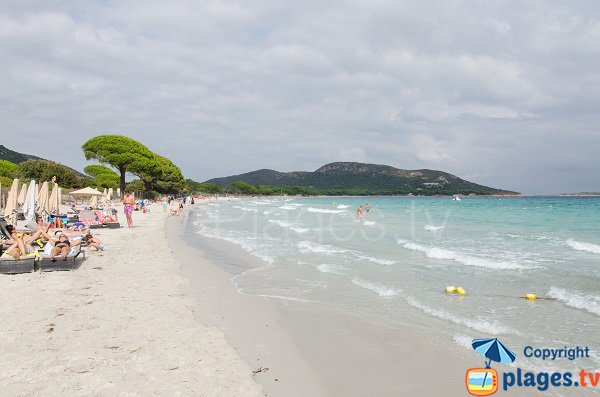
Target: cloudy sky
x=503 y=93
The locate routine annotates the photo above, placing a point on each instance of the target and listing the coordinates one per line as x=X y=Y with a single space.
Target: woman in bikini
x=62 y=247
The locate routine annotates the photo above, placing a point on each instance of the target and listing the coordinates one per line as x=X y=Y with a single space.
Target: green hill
x=16 y=157
x=365 y=179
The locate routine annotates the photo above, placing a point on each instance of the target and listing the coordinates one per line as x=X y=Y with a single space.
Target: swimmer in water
x=367 y=207
x=359 y=212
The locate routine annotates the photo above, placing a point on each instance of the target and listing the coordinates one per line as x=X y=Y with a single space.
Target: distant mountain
x=16 y=157
x=369 y=179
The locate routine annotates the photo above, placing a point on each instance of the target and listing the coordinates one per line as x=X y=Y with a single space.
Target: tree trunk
x=122 y=170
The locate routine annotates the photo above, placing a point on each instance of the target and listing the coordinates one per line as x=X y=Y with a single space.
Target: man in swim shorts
x=128 y=202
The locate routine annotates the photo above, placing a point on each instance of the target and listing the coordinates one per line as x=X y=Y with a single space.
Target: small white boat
x=456 y=198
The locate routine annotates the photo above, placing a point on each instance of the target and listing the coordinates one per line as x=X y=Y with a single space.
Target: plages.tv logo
x=484 y=381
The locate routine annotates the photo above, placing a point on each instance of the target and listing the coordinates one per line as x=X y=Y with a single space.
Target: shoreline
x=335 y=353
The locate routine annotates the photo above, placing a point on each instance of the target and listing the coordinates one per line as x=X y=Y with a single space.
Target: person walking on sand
x=359 y=212
x=164 y=203
x=129 y=203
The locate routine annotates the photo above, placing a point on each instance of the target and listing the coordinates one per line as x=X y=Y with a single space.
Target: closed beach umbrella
x=103 y=200
x=53 y=201
x=43 y=208
x=119 y=192
x=22 y=194
x=59 y=195
x=110 y=194
x=10 y=210
x=29 y=205
x=94 y=201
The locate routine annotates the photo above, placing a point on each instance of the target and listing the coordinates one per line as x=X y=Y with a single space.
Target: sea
x=392 y=266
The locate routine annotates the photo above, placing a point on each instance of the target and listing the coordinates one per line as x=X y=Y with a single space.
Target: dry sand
x=120 y=325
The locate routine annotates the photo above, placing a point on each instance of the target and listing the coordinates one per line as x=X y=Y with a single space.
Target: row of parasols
x=34 y=199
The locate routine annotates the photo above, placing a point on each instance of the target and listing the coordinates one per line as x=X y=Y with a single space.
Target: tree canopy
x=8 y=169
x=157 y=173
x=165 y=178
x=102 y=177
x=44 y=170
x=123 y=153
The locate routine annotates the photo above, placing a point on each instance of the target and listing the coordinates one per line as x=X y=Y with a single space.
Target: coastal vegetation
x=126 y=155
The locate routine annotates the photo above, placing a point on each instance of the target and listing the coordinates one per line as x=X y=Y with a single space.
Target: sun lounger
x=106 y=218
x=74 y=261
x=89 y=219
x=15 y=266
x=3 y=230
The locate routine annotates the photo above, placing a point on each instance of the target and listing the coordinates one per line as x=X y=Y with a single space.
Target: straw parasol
x=53 y=207
x=43 y=208
x=86 y=192
x=10 y=210
x=29 y=205
x=22 y=193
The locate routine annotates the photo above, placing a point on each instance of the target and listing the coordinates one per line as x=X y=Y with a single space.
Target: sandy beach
x=122 y=324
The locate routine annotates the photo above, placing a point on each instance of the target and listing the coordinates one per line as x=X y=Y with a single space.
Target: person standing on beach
x=128 y=202
x=367 y=207
x=359 y=212
x=164 y=203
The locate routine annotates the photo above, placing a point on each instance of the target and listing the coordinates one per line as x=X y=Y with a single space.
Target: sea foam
x=323 y=211
x=442 y=253
x=588 y=247
x=590 y=303
x=307 y=246
x=381 y=290
x=432 y=228
x=342 y=206
x=331 y=268
x=377 y=260
x=483 y=326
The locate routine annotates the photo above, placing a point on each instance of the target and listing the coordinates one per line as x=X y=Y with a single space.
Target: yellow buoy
x=450 y=289
x=530 y=297
x=460 y=291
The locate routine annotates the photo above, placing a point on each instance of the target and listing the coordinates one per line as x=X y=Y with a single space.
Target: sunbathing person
x=62 y=247
x=94 y=242
x=18 y=247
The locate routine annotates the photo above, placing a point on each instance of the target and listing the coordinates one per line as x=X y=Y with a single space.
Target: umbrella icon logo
x=484 y=381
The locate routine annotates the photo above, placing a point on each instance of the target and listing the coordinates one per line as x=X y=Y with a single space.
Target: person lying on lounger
x=62 y=246
x=94 y=242
x=19 y=245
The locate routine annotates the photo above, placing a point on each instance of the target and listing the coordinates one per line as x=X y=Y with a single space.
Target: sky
x=502 y=93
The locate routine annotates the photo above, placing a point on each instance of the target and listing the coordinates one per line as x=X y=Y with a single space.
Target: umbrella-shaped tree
x=123 y=153
x=102 y=176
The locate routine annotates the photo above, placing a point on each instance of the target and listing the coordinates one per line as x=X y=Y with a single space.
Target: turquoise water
x=393 y=265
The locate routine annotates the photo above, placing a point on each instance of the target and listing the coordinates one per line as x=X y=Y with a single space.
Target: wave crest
x=381 y=290
x=587 y=247
x=441 y=253
x=590 y=303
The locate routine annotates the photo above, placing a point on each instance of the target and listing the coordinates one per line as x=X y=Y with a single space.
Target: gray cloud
x=502 y=93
